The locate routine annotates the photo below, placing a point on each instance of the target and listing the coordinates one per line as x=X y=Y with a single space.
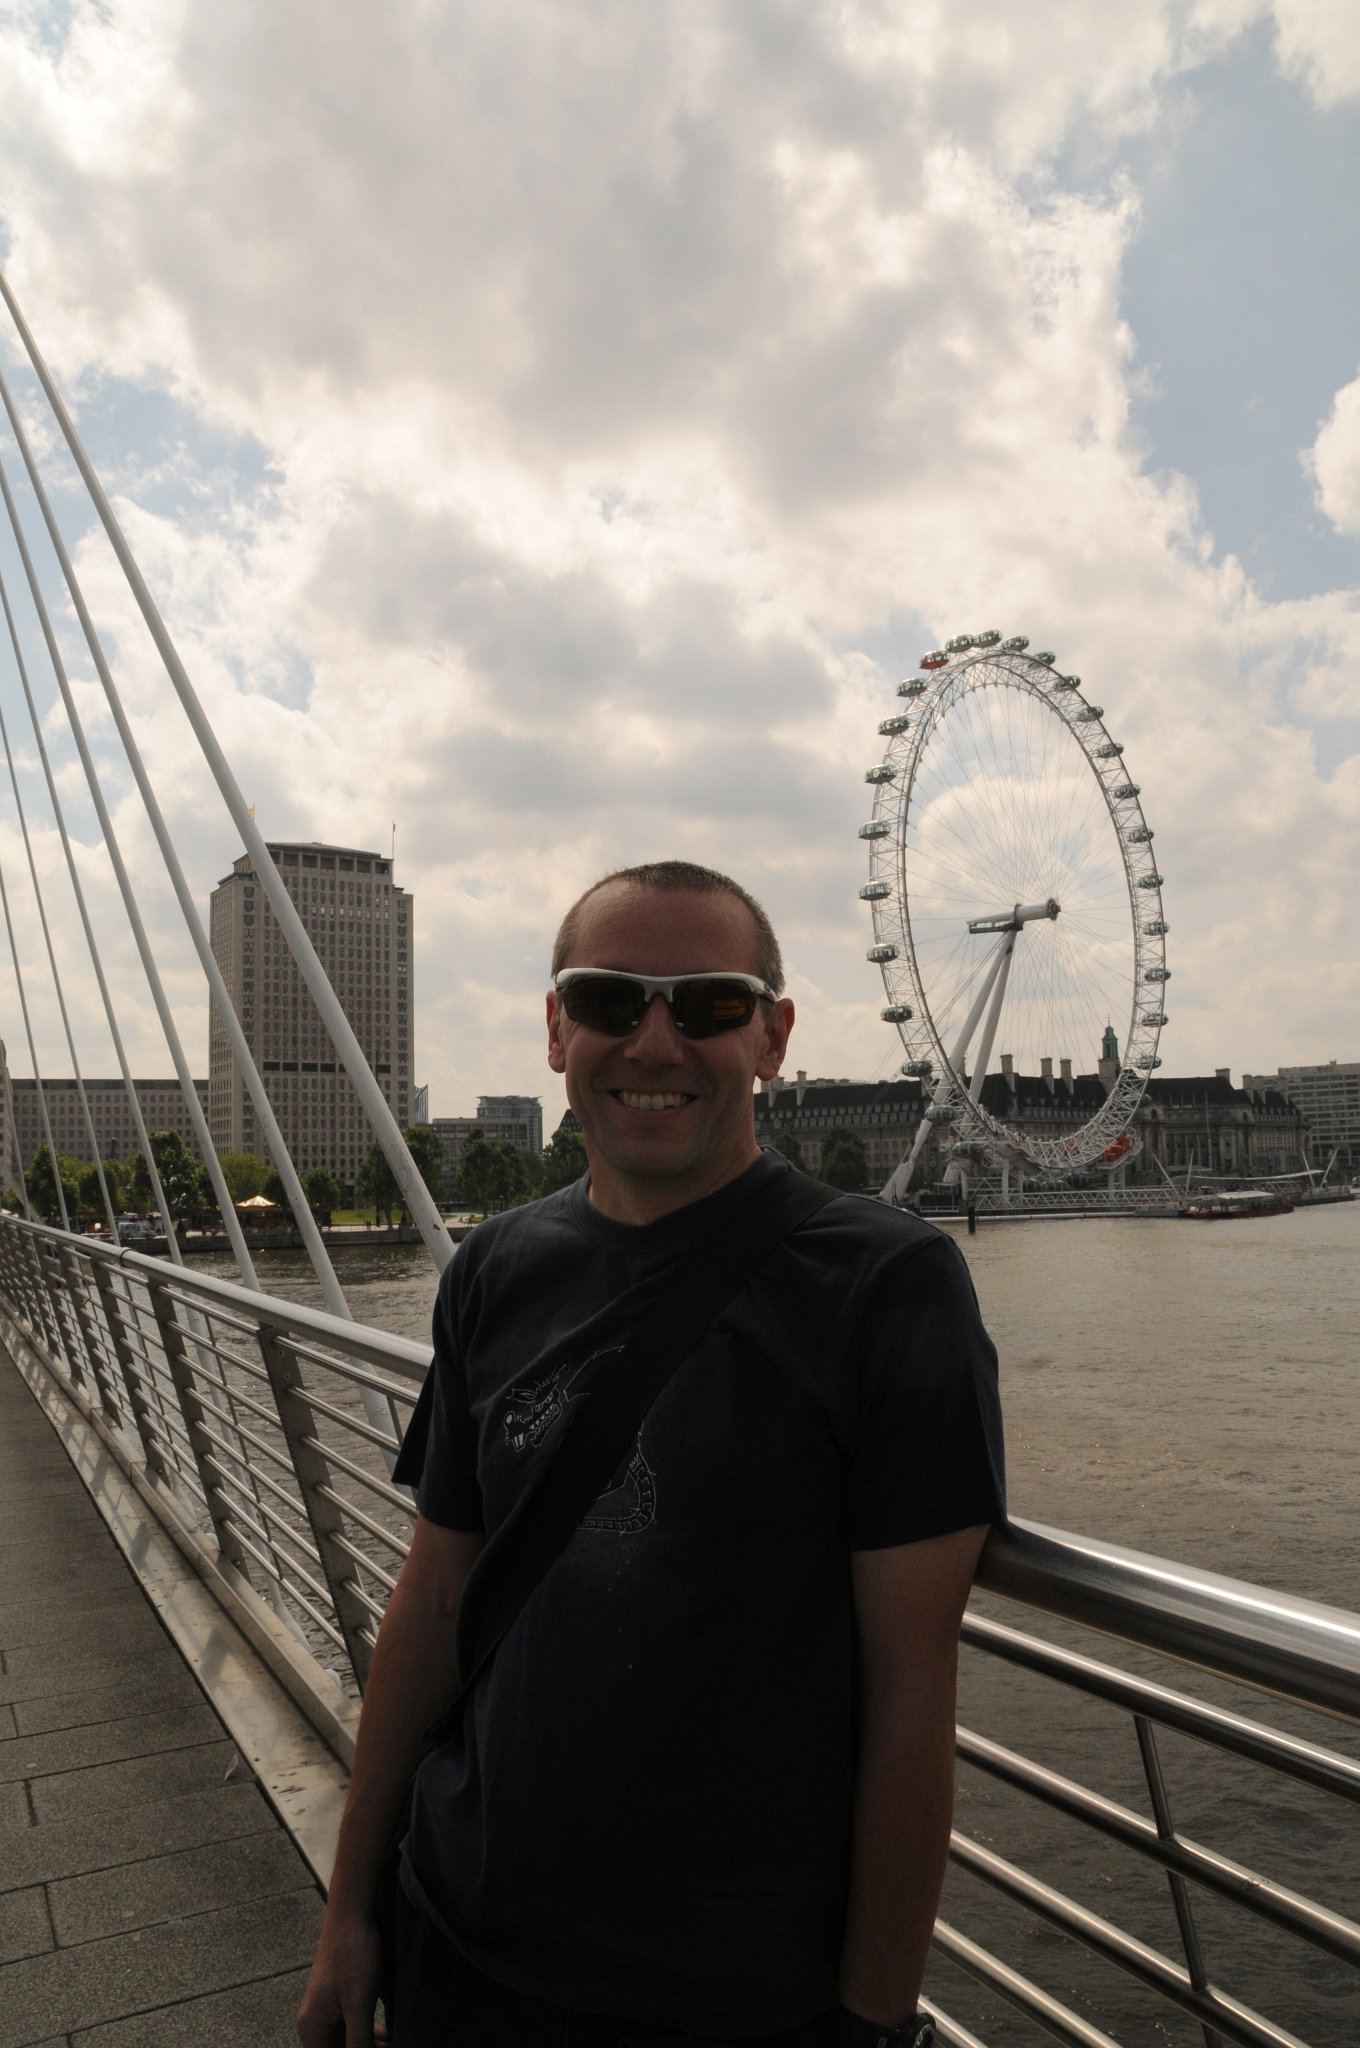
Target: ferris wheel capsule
x=911 y=686
x=874 y=892
x=877 y=828
x=1157 y=928
x=897 y=1013
x=1150 y=881
x=887 y=951
x=1089 y=712
x=1126 y=792
x=987 y=639
x=1110 y=751
x=884 y=772
x=1016 y=645
x=1046 y=656
x=890 y=727
x=937 y=658
x=1067 y=682
x=918 y=1070
x=1141 y=835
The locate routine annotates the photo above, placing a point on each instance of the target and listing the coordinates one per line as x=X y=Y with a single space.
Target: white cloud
x=1319 y=43
x=621 y=379
x=1334 y=460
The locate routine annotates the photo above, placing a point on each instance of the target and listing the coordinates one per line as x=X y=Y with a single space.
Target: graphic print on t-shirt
x=533 y=1408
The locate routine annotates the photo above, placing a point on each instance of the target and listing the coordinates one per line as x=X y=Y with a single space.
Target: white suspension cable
x=194 y=1107
x=135 y=1107
x=33 y=1055
x=13 y=1158
x=56 y=974
x=245 y=1059
x=424 y=1209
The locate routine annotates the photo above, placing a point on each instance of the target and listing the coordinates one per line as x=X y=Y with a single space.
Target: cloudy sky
x=557 y=429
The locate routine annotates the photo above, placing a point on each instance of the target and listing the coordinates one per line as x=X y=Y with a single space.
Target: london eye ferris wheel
x=1017 y=907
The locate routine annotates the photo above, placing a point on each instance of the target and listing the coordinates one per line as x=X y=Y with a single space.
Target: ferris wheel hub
x=1011 y=920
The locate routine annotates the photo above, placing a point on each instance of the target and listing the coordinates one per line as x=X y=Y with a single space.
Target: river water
x=1191 y=1389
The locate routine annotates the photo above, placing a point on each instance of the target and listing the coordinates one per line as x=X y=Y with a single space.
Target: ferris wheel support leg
x=1003 y=963
x=900 y=1181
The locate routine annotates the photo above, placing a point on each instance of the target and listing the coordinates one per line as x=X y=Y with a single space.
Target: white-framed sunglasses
x=701 y=1005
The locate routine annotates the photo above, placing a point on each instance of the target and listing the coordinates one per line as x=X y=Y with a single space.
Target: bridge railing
x=248 y=1425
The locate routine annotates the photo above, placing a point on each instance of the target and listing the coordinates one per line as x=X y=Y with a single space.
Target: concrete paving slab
x=104 y=1742
x=43 y=1609
x=34 y=1676
x=8 y=1724
x=158 y=1692
x=58 y=1566
x=124 y=1620
x=131 y=1834
x=14 y=1809
x=25 y=1929
x=258 y=2015
x=167 y=1887
x=71 y=1793
x=141 y=1972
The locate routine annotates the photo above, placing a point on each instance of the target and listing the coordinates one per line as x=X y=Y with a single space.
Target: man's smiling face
x=666 y=1119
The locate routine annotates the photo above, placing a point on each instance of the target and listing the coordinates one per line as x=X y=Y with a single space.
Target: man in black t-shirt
x=680 y=1804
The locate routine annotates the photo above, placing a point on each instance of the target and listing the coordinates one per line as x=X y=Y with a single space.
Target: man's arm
x=909 y=1602
x=412 y=1680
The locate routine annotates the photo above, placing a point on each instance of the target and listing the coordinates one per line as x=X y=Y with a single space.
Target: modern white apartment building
x=1329 y=1098
x=361 y=924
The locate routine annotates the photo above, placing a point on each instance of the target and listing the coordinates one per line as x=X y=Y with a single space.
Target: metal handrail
x=154 y=1357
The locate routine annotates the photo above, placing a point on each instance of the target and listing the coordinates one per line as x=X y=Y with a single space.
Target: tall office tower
x=361 y=925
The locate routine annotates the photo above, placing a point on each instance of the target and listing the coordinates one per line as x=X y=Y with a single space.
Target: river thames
x=1191 y=1389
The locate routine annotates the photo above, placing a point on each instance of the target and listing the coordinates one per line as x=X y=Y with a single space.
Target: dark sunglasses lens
x=702 y=1009
x=614 y=1007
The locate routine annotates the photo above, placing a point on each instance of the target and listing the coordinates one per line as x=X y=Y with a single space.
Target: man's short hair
x=680 y=875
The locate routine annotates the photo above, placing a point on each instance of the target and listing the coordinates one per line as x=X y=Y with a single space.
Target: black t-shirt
x=646 y=1807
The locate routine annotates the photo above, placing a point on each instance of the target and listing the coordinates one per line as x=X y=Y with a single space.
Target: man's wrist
x=916 y=2031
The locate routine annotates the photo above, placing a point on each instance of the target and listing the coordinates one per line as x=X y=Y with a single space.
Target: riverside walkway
x=149 y=1895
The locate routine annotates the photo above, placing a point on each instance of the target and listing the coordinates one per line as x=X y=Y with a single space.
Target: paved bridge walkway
x=148 y=1894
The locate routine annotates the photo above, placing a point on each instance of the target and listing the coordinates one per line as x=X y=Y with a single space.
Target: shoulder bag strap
x=692 y=1296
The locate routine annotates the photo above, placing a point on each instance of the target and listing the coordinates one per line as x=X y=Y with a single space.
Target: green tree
x=785 y=1142
x=494 y=1174
x=427 y=1149
x=91 y=1199
x=322 y=1190
x=178 y=1169
x=244 y=1174
x=41 y=1182
x=564 y=1160
x=375 y=1184
x=845 y=1164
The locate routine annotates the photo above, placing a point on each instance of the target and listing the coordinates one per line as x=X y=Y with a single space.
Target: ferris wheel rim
x=954 y=675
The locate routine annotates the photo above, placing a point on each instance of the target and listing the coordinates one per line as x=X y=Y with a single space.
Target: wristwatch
x=857 y=2032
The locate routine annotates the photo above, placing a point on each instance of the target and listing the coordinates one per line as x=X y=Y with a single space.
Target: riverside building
x=517 y=1119
x=162 y=1105
x=361 y=924
x=1328 y=1098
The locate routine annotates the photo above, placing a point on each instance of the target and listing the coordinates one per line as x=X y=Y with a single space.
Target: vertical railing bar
x=312 y=1471
x=141 y=1409
x=175 y=1346
x=76 y=1286
x=1191 y=1945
